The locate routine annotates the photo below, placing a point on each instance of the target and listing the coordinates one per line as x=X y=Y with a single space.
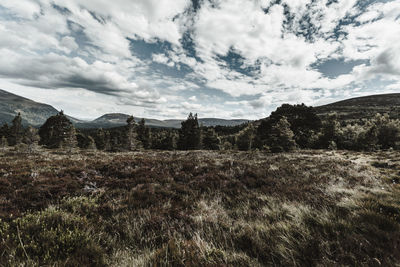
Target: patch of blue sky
x=236 y=62
x=145 y=50
x=333 y=68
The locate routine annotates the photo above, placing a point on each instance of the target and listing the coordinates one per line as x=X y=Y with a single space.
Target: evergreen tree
x=132 y=142
x=281 y=137
x=56 y=130
x=331 y=132
x=245 y=138
x=100 y=139
x=16 y=131
x=165 y=140
x=143 y=134
x=31 y=139
x=189 y=134
x=369 y=140
x=303 y=121
x=211 y=140
x=107 y=142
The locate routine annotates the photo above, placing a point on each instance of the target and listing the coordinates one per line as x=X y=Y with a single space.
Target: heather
x=199 y=208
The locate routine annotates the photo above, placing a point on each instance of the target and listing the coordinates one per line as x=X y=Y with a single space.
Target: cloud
x=223 y=58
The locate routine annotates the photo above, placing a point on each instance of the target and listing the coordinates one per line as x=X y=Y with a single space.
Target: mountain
x=119 y=119
x=32 y=112
x=36 y=114
x=363 y=107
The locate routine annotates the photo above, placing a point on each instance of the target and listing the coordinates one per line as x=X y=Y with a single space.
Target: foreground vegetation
x=199 y=208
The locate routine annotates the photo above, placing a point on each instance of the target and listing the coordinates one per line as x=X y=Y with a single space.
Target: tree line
x=288 y=128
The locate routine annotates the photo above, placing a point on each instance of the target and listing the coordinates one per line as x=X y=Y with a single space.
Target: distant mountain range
x=34 y=113
x=119 y=119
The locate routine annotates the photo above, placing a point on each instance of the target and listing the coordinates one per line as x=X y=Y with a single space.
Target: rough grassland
x=309 y=208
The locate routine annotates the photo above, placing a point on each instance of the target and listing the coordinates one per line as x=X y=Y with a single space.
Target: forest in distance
x=288 y=128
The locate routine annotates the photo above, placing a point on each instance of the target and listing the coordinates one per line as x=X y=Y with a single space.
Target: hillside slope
x=363 y=107
x=32 y=112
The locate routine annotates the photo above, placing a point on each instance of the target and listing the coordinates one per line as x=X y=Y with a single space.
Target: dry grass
x=200 y=208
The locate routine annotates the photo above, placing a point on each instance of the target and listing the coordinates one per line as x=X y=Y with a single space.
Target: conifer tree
x=244 y=139
x=143 y=134
x=56 y=130
x=331 y=132
x=189 y=134
x=282 y=137
x=107 y=141
x=211 y=140
x=16 y=131
x=100 y=139
x=132 y=142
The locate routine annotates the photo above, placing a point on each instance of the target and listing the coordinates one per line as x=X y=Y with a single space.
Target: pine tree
x=369 y=140
x=303 y=121
x=331 y=132
x=281 y=137
x=244 y=139
x=132 y=142
x=189 y=134
x=143 y=134
x=54 y=132
x=100 y=139
x=16 y=130
x=107 y=141
x=211 y=140
x=31 y=139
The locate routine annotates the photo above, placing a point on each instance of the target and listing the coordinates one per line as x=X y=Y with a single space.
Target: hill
x=119 y=119
x=34 y=113
x=363 y=107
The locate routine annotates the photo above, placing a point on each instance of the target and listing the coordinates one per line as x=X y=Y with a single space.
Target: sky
x=218 y=58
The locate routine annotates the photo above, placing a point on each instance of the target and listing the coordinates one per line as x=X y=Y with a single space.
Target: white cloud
x=21 y=8
x=88 y=50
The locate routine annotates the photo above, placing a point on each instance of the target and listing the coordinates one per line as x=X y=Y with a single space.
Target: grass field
x=200 y=208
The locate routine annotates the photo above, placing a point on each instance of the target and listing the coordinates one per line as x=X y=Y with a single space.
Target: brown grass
x=201 y=208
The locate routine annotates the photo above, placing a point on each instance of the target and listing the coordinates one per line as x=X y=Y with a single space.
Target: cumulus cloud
x=223 y=58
